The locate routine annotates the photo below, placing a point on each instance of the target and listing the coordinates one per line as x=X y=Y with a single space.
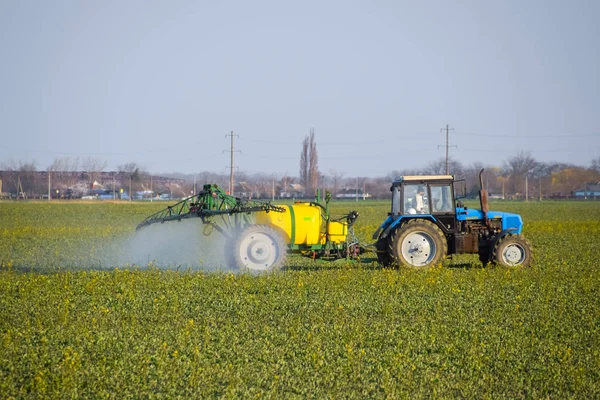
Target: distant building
x=76 y=184
x=294 y=191
x=589 y=190
x=352 y=193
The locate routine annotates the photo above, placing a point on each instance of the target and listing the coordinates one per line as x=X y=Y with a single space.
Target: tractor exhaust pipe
x=483 y=198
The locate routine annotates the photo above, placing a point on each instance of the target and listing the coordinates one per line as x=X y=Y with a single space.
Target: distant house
x=144 y=194
x=244 y=190
x=352 y=193
x=590 y=190
x=105 y=194
x=294 y=190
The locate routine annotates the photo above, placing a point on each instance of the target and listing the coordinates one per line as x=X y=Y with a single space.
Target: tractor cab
x=423 y=195
x=413 y=195
x=429 y=196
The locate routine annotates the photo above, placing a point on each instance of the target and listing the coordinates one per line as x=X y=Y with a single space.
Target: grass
x=350 y=330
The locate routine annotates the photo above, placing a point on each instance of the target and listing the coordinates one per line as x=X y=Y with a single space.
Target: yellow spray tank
x=307 y=224
x=299 y=224
x=303 y=224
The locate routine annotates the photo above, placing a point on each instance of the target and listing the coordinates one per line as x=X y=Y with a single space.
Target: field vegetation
x=77 y=320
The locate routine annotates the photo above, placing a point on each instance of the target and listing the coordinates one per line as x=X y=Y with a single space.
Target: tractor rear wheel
x=384 y=252
x=259 y=248
x=513 y=251
x=419 y=244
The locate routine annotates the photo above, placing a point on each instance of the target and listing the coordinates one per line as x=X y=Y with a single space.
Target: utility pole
x=20 y=192
x=364 y=189
x=49 y=194
x=231 y=166
x=447 y=146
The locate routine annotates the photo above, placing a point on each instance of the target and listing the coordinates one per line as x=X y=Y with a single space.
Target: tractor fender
x=376 y=233
x=381 y=227
x=401 y=219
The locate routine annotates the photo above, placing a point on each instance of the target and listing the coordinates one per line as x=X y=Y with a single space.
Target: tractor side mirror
x=460 y=189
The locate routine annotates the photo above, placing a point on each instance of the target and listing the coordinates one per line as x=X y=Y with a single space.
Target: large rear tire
x=384 y=252
x=513 y=251
x=259 y=248
x=419 y=244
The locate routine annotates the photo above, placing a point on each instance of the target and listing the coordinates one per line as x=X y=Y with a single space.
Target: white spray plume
x=187 y=244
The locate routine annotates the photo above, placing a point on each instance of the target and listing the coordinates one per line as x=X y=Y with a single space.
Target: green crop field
x=78 y=319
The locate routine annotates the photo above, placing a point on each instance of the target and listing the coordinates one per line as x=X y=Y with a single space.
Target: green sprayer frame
x=211 y=202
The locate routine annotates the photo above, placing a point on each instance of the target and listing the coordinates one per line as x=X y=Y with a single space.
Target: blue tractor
x=427 y=223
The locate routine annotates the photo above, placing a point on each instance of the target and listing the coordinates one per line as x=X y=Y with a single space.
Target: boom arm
x=209 y=202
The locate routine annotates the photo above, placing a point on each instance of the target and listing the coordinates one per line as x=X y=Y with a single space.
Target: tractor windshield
x=415 y=199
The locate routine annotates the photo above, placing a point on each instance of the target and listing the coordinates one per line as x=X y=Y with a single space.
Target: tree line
x=519 y=176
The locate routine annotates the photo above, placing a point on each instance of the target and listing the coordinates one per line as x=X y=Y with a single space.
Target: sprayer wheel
x=259 y=248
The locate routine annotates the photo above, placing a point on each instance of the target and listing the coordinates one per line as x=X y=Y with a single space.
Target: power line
x=531 y=136
x=512 y=150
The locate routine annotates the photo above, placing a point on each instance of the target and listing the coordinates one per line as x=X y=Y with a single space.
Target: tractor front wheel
x=513 y=251
x=259 y=248
x=419 y=244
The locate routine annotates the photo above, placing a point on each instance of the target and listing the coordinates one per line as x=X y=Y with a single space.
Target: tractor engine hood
x=509 y=220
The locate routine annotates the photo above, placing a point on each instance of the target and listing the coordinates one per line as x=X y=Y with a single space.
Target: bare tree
x=131 y=175
x=313 y=167
x=64 y=164
x=396 y=174
x=517 y=168
x=23 y=172
x=596 y=164
x=64 y=171
x=471 y=176
x=304 y=164
x=336 y=178
x=309 y=164
x=381 y=188
x=93 y=167
x=128 y=168
x=285 y=182
x=438 y=167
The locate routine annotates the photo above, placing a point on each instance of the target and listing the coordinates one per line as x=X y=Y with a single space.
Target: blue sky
x=162 y=83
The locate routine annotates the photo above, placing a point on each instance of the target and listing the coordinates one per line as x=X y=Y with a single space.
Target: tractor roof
x=424 y=178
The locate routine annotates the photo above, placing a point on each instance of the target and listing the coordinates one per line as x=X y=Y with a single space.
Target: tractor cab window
x=441 y=198
x=415 y=199
x=395 y=200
